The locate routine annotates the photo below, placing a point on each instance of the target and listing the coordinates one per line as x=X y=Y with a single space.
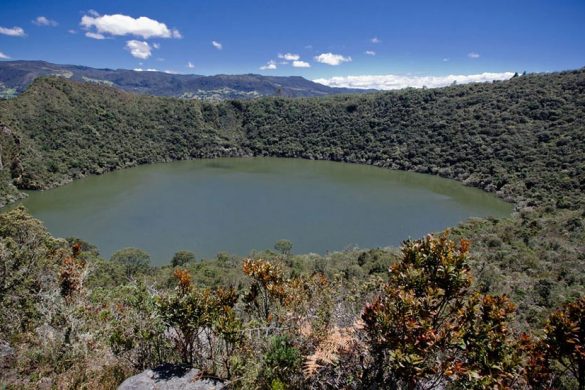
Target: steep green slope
x=523 y=139
x=78 y=129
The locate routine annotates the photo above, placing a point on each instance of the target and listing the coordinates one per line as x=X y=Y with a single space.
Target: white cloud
x=156 y=45
x=270 y=65
x=139 y=49
x=375 y=40
x=332 y=59
x=119 y=25
x=72 y=31
x=217 y=45
x=93 y=35
x=445 y=59
x=44 y=21
x=12 y=32
x=289 y=56
x=146 y=70
x=473 y=55
x=393 y=81
x=370 y=52
x=190 y=65
x=301 y=64
x=4 y=56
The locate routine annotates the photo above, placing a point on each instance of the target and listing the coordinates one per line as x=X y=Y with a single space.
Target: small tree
x=196 y=314
x=134 y=261
x=267 y=287
x=71 y=273
x=284 y=247
x=187 y=312
x=182 y=258
x=137 y=334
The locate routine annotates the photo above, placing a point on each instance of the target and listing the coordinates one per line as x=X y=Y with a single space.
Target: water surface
x=238 y=205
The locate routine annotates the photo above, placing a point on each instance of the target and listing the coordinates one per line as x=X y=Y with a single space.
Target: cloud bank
x=4 y=56
x=394 y=81
x=217 y=45
x=119 y=25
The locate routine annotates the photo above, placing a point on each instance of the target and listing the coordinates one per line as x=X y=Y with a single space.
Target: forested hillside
x=523 y=138
x=475 y=309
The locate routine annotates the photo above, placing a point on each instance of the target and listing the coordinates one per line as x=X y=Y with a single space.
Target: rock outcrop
x=6 y=354
x=170 y=377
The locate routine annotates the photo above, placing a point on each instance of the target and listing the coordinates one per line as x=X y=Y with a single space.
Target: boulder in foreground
x=170 y=377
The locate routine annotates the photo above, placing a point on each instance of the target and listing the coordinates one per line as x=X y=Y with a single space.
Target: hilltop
x=16 y=76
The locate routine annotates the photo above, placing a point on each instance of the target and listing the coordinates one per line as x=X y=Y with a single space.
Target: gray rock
x=7 y=355
x=48 y=335
x=45 y=384
x=170 y=377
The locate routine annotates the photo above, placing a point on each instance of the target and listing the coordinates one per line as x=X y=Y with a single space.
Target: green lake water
x=238 y=205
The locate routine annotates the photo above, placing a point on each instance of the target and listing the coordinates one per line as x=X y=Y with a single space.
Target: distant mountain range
x=15 y=76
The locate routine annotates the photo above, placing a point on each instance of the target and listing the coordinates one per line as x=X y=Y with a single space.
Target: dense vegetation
x=274 y=320
x=522 y=139
x=449 y=313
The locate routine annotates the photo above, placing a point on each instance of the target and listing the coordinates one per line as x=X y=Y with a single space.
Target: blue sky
x=330 y=38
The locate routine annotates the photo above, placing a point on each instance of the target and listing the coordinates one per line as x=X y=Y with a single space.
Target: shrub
x=284 y=247
x=426 y=329
x=182 y=258
x=282 y=362
x=137 y=333
x=562 y=349
x=268 y=286
x=135 y=261
x=201 y=323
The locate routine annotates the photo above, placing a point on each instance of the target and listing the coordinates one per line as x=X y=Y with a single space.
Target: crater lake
x=237 y=205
